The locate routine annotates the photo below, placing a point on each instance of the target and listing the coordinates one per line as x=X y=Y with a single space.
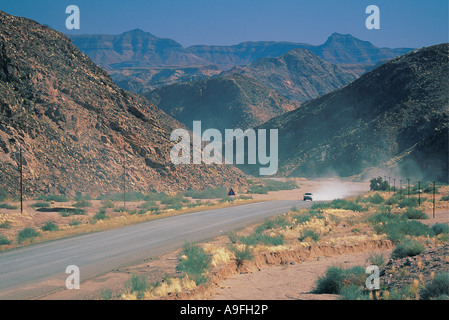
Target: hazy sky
x=403 y=23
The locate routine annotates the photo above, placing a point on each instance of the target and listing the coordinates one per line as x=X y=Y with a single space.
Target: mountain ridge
x=77 y=129
x=392 y=119
x=298 y=74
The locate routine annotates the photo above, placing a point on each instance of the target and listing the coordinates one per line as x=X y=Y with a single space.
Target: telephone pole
x=434 y=199
x=389 y=185
x=408 y=188
x=124 y=183
x=21 y=179
x=419 y=193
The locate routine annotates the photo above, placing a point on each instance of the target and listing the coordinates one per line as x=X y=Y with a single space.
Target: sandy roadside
x=292 y=281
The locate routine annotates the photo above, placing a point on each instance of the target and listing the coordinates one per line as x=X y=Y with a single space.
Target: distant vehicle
x=308 y=196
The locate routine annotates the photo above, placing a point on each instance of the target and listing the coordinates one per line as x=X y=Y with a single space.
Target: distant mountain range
x=77 y=129
x=393 y=119
x=140 y=61
x=338 y=49
x=135 y=49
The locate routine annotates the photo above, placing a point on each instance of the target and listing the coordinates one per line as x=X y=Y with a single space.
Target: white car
x=308 y=196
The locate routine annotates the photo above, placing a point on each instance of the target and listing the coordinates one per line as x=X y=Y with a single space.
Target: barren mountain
x=394 y=117
x=223 y=102
x=135 y=49
x=298 y=74
x=143 y=80
x=76 y=127
x=345 y=50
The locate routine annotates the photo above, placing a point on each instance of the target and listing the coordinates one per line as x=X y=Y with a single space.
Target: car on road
x=308 y=196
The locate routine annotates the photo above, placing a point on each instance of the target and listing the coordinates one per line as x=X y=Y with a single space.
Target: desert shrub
x=444 y=198
x=260 y=237
x=353 y=292
x=137 y=284
x=439 y=228
x=74 y=212
x=308 y=233
x=428 y=188
x=82 y=204
x=269 y=240
x=172 y=200
x=375 y=199
x=320 y=206
x=100 y=215
x=6 y=225
x=394 y=199
x=408 y=202
x=74 y=223
x=209 y=193
x=271 y=185
x=7 y=206
x=107 y=203
x=27 y=233
x=276 y=222
x=49 y=226
x=196 y=265
x=119 y=196
x=3 y=195
x=339 y=204
x=156 y=196
x=242 y=253
x=197 y=203
x=53 y=197
x=40 y=204
x=4 y=240
x=413 y=213
x=377 y=259
x=309 y=214
x=336 y=279
x=397 y=227
x=174 y=206
x=407 y=249
x=233 y=237
x=438 y=288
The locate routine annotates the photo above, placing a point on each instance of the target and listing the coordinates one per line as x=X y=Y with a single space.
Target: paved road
x=31 y=271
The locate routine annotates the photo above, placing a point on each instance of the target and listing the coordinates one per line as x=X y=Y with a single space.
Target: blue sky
x=403 y=23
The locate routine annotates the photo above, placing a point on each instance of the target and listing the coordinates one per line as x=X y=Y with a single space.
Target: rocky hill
x=223 y=102
x=298 y=74
x=394 y=117
x=76 y=127
x=143 y=80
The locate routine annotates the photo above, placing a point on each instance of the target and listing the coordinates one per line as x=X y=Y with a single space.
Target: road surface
x=35 y=270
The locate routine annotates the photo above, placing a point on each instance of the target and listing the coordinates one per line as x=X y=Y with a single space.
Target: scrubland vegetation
x=376 y=216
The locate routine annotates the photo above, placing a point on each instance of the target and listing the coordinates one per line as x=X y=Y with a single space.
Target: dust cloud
x=336 y=189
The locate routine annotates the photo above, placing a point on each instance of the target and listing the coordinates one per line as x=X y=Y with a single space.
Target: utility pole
x=434 y=199
x=394 y=186
x=389 y=185
x=124 y=183
x=21 y=179
x=419 y=193
x=408 y=188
